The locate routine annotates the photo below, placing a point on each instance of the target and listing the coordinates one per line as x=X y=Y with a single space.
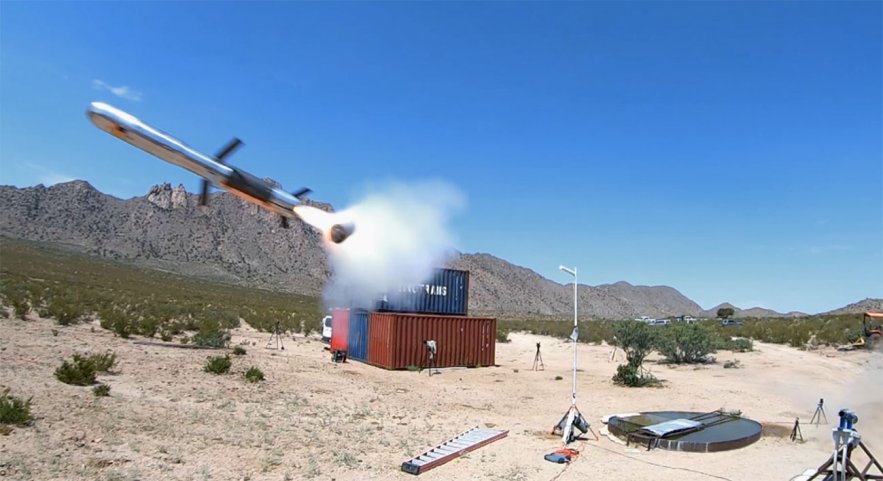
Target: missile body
x=236 y=181
x=153 y=141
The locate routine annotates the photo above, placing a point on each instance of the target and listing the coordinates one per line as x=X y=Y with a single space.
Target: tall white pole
x=575 y=335
x=575 y=331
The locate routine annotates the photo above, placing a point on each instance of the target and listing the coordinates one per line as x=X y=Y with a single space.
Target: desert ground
x=166 y=419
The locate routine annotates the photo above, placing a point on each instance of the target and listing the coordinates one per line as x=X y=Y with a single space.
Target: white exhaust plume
x=401 y=233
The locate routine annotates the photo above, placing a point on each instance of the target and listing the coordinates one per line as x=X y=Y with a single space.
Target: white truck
x=326 y=329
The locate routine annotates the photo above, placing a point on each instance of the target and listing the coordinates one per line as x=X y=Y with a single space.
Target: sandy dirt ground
x=312 y=419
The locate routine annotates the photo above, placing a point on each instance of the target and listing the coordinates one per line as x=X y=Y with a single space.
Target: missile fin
x=302 y=193
x=203 y=192
x=228 y=149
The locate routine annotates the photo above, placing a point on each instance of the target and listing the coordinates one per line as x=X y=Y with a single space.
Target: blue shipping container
x=446 y=292
x=357 y=337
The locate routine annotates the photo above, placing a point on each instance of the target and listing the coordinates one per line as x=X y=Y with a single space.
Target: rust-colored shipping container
x=339 y=329
x=396 y=340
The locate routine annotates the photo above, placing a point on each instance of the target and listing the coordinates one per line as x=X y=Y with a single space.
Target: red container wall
x=395 y=340
x=339 y=329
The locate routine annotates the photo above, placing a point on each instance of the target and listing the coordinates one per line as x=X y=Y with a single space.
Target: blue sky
x=730 y=150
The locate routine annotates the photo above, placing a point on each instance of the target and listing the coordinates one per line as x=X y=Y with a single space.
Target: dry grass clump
x=218 y=365
x=254 y=375
x=82 y=370
x=14 y=411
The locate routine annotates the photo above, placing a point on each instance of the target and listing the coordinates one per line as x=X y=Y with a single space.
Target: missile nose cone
x=339 y=232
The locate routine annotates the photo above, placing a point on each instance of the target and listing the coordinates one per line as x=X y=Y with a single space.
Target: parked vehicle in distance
x=653 y=322
x=731 y=322
x=326 y=329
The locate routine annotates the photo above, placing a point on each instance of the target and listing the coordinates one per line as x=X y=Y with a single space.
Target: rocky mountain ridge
x=233 y=241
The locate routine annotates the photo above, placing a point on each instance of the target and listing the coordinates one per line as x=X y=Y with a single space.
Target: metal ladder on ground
x=452 y=449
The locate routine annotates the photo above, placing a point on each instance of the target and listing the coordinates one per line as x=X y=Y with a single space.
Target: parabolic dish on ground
x=686 y=431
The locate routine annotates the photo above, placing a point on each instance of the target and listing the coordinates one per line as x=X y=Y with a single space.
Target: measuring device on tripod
x=538 y=361
x=276 y=338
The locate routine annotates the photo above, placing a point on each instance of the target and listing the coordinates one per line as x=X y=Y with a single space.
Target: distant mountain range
x=236 y=242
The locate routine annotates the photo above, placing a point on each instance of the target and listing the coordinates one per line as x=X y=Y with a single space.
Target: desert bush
x=82 y=370
x=596 y=332
x=101 y=390
x=239 y=351
x=102 y=362
x=78 y=372
x=685 y=343
x=211 y=334
x=21 y=308
x=218 y=365
x=66 y=308
x=17 y=296
x=224 y=319
x=636 y=339
x=734 y=364
x=14 y=411
x=738 y=344
x=116 y=320
x=502 y=335
x=630 y=375
x=254 y=375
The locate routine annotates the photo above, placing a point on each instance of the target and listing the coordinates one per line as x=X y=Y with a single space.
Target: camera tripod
x=819 y=414
x=277 y=337
x=538 y=361
x=796 y=432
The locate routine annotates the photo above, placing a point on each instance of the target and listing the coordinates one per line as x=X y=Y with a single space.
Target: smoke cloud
x=401 y=234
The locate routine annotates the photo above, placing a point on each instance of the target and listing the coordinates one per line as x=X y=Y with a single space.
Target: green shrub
x=218 y=365
x=77 y=372
x=685 y=343
x=502 y=335
x=739 y=344
x=239 y=351
x=82 y=370
x=17 y=296
x=630 y=375
x=65 y=308
x=223 y=319
x=101 y=390
x=636 y=339
x=116 y=320
x=13 y=410
x=103 y=362
x=254 y=375
x=211 y=334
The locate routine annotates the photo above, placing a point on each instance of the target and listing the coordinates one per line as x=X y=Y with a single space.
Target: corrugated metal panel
x=446 y=292
x=357 y=338
x=339 y=329
x=396 y=340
